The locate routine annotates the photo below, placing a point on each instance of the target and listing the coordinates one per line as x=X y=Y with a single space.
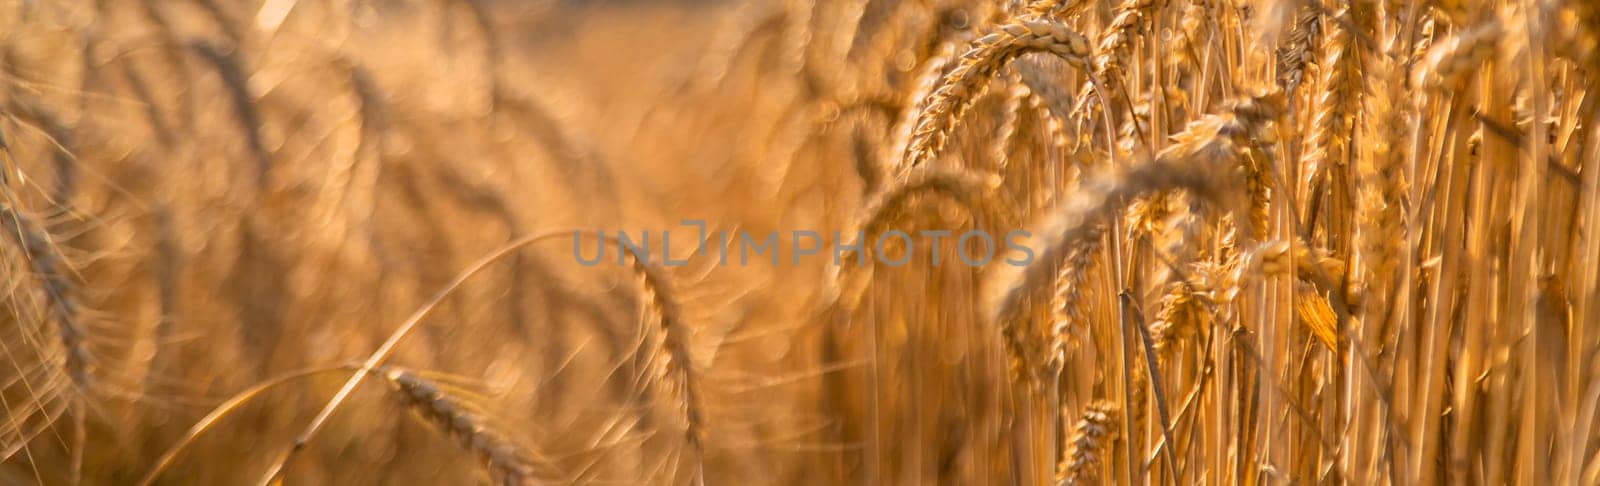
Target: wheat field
x=1216 y=242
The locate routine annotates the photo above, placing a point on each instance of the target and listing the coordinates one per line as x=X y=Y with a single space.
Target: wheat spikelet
x=1114 y=45
x=1088 y=442
x=917 y=97
x=504 y=459
x=1011 y=116
x=1117 y=39
x=943 y=109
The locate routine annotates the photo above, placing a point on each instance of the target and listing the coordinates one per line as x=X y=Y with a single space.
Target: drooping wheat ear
x=1066 y=306
x=1297 y=52
x=1117 y=39
x=1309 y=261
x=1208 y=148
x=1011 y=113
x=674 y=362
x=886 y=208
x=1054 y=100
x=917 y=98
x=1183 y=313
x=1453 y=58
x=237 y=83
x=1114 y=45
x=944 y=108
x=505 y=460
x=1087 y=443
x=51 y=268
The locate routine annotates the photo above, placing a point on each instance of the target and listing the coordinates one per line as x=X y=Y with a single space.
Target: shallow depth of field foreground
x=306 y=242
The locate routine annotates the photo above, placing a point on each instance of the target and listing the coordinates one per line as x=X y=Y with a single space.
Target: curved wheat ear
x=504 y=459
x=1118 y=37
x=1312 y=265
x=1293 y=56
x=888 y=206
x=236 y=80
x=1087 y=443
x=943 y=109
x=1204 y=150
x=1113 y=46
x=1011 y=112
x=1449 y=61
x=1052 y=99
x=675 y=364
x=50 y=266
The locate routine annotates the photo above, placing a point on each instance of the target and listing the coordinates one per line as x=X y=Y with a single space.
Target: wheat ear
x=1294 y=55
x=943 y=109
x=504 y=459
x=889 y=206
x=1206 y=148
x=50 y=266
x=1087 y=443
x=675 y=363
x=1114 y=44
